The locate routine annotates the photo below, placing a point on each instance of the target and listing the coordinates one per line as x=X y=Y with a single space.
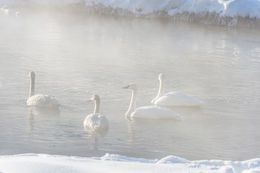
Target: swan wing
x=40 y=100
x=177 y=99
x=154 y=112
x=96 y=122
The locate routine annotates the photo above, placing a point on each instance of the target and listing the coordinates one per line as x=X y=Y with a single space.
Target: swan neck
x=160 y=91
x=97 y=106
x=32 y=86
x=132 y=105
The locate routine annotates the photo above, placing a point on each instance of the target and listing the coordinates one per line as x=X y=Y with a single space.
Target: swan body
x=147 y=112
x=154 y=112
x=40 y=100
x=96 y=121
x=174 y=98
x=177 y=99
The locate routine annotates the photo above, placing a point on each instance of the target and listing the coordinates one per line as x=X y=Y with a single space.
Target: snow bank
x=42 y=163
x=243 y=8
x=224 y=12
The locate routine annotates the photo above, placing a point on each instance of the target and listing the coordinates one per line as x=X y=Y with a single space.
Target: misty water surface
x=77 y=56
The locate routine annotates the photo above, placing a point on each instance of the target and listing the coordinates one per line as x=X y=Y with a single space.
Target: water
x=77 y=56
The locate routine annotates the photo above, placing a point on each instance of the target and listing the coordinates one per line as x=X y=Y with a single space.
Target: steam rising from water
x=76 y=55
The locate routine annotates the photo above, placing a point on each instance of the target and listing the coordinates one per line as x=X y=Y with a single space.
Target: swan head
x=131 y=86
x=32 y=74
x=161 y=76
x=95 y=97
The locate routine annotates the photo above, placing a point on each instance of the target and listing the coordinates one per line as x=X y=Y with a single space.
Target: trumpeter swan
x=147 y=112
x=96 y=121
x=173 y=98
x=40 y=100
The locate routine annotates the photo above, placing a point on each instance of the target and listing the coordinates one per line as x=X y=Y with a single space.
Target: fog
x=76 y=55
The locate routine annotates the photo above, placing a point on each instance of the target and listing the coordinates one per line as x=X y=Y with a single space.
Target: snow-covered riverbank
x=221 y=12
x=41 y=163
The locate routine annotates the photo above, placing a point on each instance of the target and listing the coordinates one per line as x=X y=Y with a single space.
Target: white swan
x=173 y=98
x=147 y=112
x=96 y=121
x=40 y=100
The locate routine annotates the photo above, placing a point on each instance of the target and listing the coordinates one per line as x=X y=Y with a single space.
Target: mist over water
x=75 y=56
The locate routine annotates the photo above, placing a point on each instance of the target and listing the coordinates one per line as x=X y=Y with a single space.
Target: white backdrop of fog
x=75 y=56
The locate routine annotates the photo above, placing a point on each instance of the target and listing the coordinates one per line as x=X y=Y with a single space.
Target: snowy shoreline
x=216 y=12
x=41 y=163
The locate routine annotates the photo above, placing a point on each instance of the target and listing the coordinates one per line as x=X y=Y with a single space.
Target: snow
x=220 y=12
x=42 y=163
x=231 y=8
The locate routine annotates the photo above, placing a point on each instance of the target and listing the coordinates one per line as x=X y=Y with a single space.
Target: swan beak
x=125 y=87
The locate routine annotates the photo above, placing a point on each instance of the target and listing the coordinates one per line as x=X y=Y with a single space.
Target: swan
x=96 y=121
x=147 y=112
x=40 y=100
x=173 y=98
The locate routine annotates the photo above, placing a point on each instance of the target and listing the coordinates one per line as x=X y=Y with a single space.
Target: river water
x=77 y=56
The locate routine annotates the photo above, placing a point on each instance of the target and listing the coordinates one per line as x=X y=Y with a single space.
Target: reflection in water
x=38 y=111
x=94 y=136
x=44 y=111
x=131 y=131
x=187 y=111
